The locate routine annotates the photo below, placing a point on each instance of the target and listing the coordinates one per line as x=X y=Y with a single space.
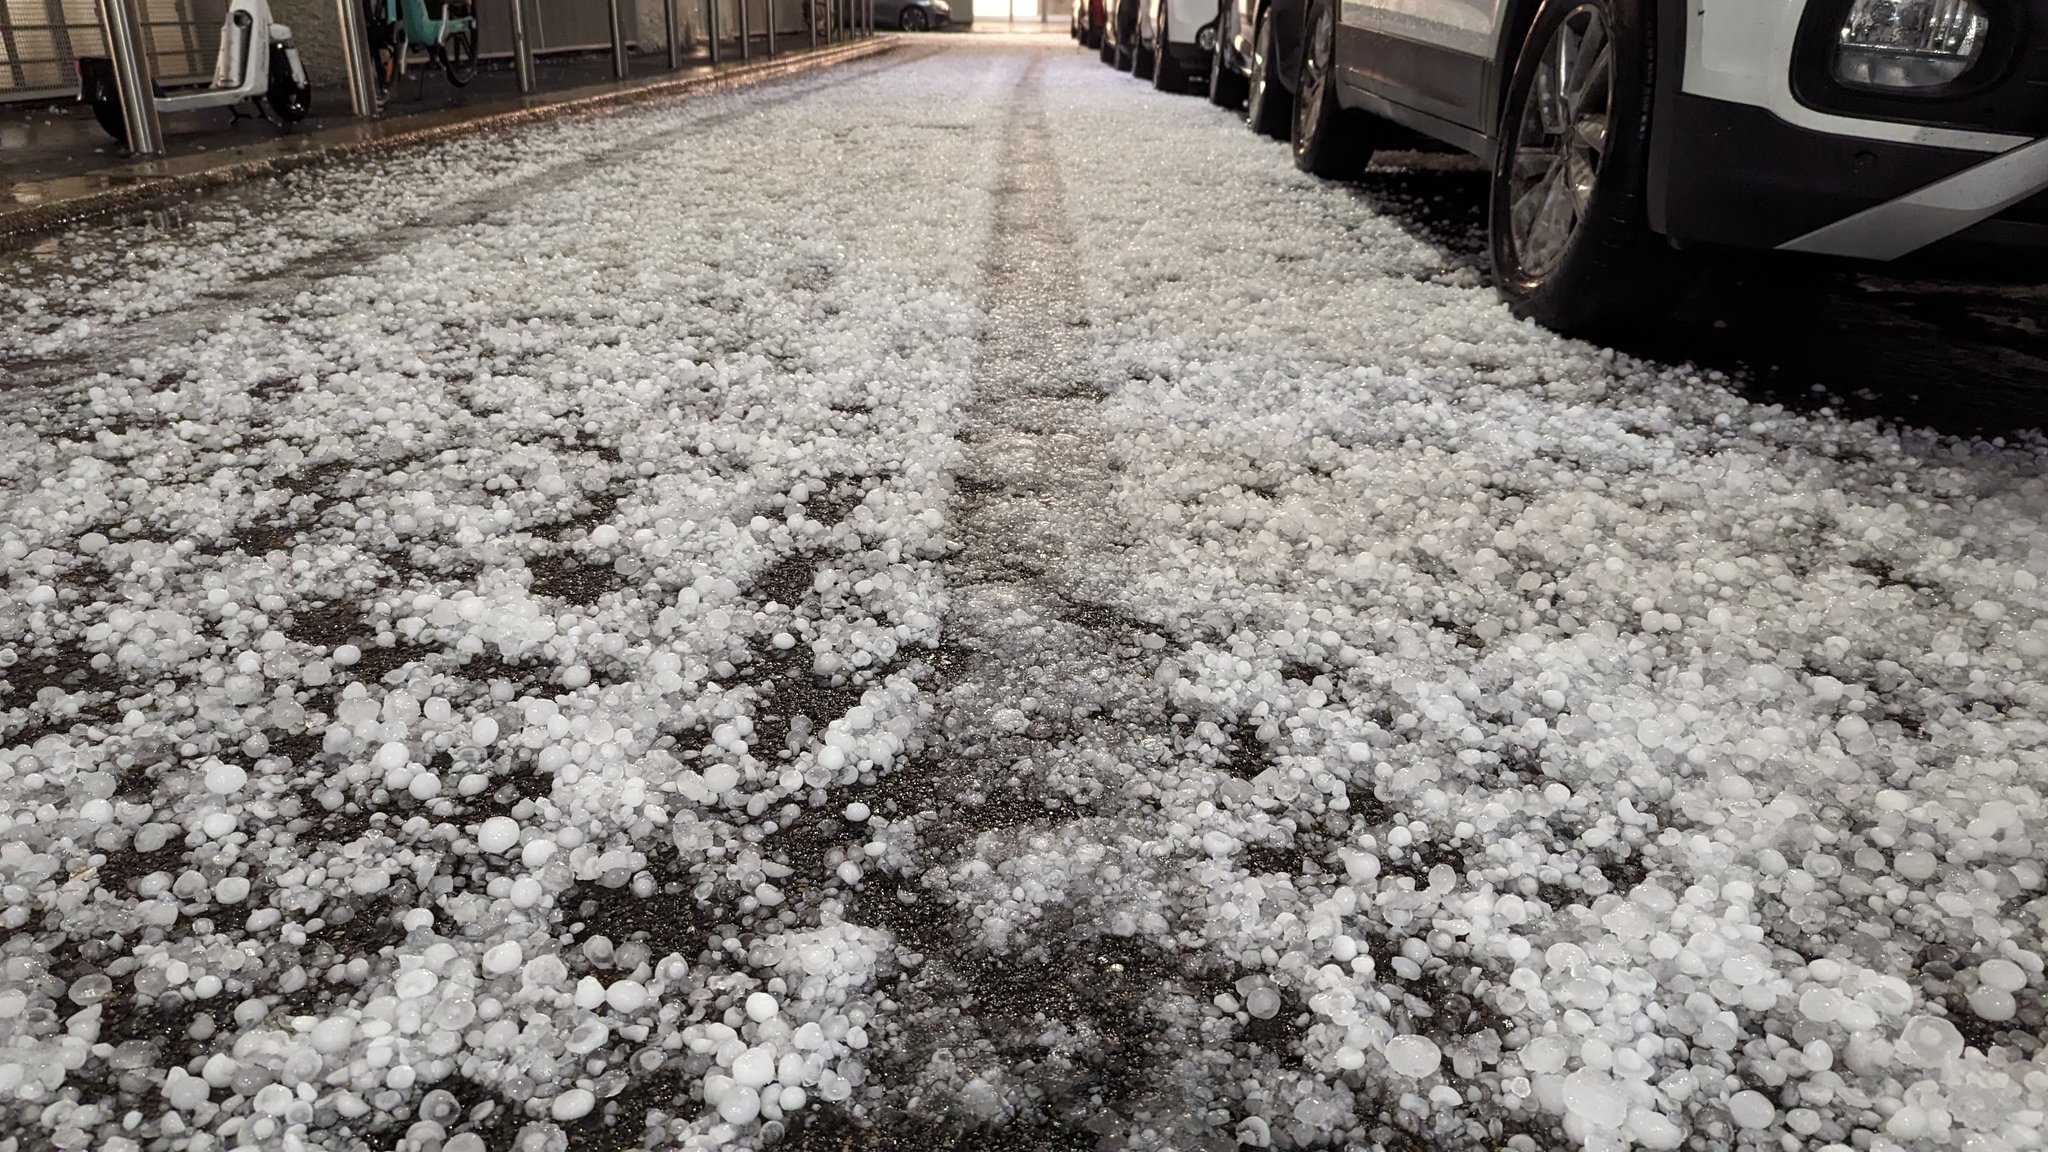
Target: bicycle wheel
x=458 y=56
x=384 y=65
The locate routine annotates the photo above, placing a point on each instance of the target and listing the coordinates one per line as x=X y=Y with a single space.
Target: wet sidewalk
x=57 y=165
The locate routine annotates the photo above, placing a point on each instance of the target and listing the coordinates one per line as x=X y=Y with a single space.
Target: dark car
x=1622 y=133
x=1089 y=17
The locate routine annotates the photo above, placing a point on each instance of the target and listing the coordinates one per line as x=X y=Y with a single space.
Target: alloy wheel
x=1315 y=72
x=1561 y=140
x=1257 y=94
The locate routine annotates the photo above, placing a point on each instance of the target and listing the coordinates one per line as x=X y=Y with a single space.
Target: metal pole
x=811 y=18
x=122 y=23
x=522 y=48
x=618 y=41
x=768 y=13
x=673 y=23
x=746 y=32
x=711 y=28
x=355 y=58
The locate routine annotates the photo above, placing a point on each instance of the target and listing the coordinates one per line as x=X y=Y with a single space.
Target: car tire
x=914 y=20
x=1226 y=86
x=1125 y=60
x=1105 y=49
x=1143 y=61
x=1329 y=140
x=1568 y=214
x=1267 y=106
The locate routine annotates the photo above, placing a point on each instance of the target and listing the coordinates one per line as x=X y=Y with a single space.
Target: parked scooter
x=258 y=62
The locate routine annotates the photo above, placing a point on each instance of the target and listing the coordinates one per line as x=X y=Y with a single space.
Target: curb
x=21 y=224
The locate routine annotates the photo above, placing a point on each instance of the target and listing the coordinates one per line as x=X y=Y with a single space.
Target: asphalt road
x=959 y=602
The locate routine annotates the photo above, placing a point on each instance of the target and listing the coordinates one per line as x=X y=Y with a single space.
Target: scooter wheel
x=288 y=98
x=106 y=108
x=290 y=101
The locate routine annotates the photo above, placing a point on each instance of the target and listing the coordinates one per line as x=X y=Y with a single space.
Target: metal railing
x=147 y=50
x=40 y=39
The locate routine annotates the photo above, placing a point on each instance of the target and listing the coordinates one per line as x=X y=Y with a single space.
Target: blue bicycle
x=446 y=33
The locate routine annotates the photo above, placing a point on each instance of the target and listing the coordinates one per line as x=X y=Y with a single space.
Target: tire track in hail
x=1057 y=1029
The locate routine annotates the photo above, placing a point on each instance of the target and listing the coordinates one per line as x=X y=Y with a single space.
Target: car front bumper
x=1747 y=151
x=1737 y=175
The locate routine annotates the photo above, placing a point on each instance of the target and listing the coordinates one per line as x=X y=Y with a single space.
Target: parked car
x=1119 y=46
x=913 y=15
x=1622 y=133
x=1230 y=65
x=1089 y=16
x=1175 y=38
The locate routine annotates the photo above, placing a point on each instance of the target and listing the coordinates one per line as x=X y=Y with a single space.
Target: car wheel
x=913 y=20
x=1329 y=141
x=1267 y=106
x=1568 y=223
x=1226 y=87
x=1143 y=61
x=1107 y=49
x=1125 y=59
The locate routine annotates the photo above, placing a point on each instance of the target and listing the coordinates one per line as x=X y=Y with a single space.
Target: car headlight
x=1909 y=44
x=1206 y=38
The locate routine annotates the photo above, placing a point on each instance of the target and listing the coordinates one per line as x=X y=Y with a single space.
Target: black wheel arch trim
x=1288 y=16
x=1665 y=89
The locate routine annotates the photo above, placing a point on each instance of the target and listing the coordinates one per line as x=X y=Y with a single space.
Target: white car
x=1175 y=40
x=1623 y=132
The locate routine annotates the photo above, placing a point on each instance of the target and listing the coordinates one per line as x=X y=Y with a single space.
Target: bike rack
x=355 y=58
x=122 y=23
x=618 y=41
x=522 y=48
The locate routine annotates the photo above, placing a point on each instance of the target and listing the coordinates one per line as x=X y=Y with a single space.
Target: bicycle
x=449 y=38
